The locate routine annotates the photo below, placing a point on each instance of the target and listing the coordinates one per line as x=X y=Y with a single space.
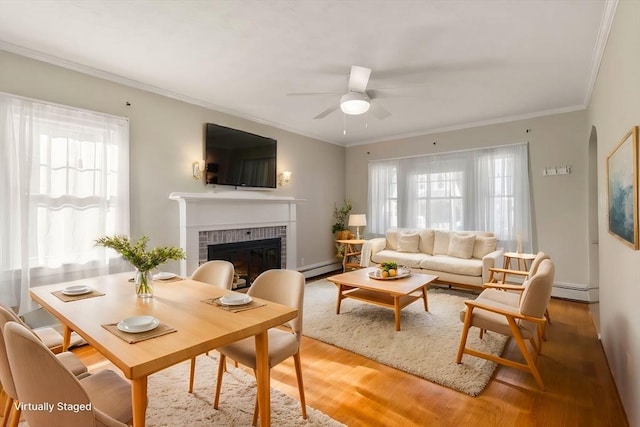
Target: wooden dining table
x=179 y=304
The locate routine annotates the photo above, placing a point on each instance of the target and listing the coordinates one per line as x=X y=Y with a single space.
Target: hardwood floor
x=359 y=392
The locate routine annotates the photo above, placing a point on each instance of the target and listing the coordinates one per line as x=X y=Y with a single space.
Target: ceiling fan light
x=354 y=103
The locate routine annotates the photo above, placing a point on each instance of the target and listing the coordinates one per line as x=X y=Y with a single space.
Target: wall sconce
x=284 y=178
x=196 y=169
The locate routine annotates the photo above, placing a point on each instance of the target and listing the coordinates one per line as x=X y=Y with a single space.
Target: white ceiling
x=444 y=64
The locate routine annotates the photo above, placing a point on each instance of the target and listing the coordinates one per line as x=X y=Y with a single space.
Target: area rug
x=426 y=346
x=171 y=405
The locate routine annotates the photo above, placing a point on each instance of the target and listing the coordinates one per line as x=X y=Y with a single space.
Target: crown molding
x=601 y=43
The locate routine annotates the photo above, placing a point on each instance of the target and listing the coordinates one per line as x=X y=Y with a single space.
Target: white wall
x=613 y=110
x=559 y=202
x=167 y=136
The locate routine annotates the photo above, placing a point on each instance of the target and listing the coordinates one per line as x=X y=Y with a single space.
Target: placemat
x=233 y=308
x=162 y=329
x=173 y=279
x=67 y=298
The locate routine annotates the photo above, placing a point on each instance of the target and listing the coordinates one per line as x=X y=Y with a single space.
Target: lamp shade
x=357 y=220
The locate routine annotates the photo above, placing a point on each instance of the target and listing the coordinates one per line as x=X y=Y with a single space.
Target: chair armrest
x=507 y=313
x=369 y=249
x=507 y=271
x=503 y=274
x=490 y=260
x=505 y=287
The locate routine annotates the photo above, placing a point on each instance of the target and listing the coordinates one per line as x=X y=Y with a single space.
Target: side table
x=352 y=252
x=523 y=260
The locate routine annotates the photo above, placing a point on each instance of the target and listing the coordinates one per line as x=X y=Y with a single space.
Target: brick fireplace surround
x=226 y=216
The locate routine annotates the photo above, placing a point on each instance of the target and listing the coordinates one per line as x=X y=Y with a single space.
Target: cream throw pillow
x=408 y=242
x=392 y=239
x=461 y=246
x=441 y=242
x=484 y=246
x=427 y=238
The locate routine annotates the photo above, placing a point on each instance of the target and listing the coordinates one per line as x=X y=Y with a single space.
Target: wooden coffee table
x=395 y=294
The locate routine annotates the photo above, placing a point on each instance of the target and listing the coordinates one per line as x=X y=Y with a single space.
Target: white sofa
x=458 y=258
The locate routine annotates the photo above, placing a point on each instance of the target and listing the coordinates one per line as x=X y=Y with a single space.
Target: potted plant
x=142 y=259
x=340 y=215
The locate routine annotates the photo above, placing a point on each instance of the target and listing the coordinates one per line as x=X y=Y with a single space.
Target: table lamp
x=357 y=220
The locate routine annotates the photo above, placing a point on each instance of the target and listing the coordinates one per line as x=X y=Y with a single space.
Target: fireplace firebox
x=249 y=258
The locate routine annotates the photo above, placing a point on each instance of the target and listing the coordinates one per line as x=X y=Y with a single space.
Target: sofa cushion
x=484 y=246
x=441 y=242
x=408 y=242
x=465 y=267
x=412 y=260
x=461 y=246
x=427 y=238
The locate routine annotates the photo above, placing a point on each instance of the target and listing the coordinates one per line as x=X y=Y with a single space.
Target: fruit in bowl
x=388 y=269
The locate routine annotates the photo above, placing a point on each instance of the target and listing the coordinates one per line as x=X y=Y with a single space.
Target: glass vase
x=144 y=284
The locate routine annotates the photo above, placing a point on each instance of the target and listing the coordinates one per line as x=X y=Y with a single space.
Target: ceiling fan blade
x=379 y=111
x=359 y=78
x=313 y=93
x=326 y=112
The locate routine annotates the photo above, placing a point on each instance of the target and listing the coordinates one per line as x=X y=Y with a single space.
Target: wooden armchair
x=519 y=315
x=504 y=272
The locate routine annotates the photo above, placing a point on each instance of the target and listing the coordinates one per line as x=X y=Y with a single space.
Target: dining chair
x=100 y=399
x=10 y=410
x=284 y=287
x=218 y=273
x=519 y=318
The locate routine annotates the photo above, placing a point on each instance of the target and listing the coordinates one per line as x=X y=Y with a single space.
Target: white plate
x=164 y=276
x=235 y=299
x=138 y=322
x=76 y=290
x=135 y=325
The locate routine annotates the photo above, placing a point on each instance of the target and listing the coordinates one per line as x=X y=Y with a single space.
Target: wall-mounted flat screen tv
x=238 y=158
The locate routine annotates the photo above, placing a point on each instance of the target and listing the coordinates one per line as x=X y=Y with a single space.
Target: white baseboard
x=317 y=269
x=576 y=292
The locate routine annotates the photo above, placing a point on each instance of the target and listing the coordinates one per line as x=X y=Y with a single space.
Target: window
x=485 y=189
x=439 y=200
x=65 y=183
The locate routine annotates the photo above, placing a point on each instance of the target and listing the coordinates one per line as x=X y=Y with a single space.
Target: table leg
x=263 y=378
x=424 y=298
x=340 y=289
x=66 y=337
x=396 y=308
x=139 y=400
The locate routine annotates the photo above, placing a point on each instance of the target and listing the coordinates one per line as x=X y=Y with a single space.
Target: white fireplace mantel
x=232 y=210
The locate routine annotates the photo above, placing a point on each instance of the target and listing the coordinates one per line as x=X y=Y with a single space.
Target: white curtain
x=64 y=182
x=484 y=190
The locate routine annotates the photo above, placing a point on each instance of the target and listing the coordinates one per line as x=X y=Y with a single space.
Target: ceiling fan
x=357 y=100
